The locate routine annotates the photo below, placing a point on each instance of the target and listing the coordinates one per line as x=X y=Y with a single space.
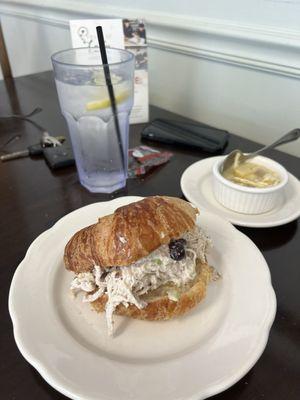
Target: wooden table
x=33 y=198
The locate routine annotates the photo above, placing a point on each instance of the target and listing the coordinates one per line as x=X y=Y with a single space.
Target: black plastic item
x=59 y=156
x=33 y=150
x=196 y=135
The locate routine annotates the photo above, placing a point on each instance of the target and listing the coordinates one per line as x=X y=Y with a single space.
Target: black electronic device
x=192 y=134
x=59 y=156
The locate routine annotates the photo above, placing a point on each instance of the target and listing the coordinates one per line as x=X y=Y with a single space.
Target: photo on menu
x=139 y=112
x=135 y=42
x=141 y=57
x=134 y=32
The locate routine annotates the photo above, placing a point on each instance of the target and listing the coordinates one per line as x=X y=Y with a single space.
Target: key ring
x=49 y=141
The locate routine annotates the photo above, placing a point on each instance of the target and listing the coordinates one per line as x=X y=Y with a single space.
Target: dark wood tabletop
x=33 y=198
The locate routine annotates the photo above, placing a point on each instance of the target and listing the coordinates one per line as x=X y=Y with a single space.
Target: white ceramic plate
x=196 y=185
x=192 y=357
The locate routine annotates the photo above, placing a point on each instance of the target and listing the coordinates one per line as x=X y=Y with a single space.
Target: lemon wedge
x=100 y=104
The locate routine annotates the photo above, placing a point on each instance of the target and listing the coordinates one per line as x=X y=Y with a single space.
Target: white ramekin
x=248 y=200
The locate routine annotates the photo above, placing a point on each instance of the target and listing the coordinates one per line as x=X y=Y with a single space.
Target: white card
x=129 y=34
x=83 y=32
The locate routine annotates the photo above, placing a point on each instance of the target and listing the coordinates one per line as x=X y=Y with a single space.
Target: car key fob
x=59 y=156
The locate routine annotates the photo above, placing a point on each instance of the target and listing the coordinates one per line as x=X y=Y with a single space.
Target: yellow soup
x=252 y=175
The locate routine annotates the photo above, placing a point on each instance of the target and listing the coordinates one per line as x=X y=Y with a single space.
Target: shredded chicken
x=126 y=285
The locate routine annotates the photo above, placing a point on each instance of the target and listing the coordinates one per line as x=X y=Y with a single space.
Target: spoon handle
x=288 y=137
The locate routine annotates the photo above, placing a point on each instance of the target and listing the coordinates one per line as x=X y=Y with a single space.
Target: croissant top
x=130 y=233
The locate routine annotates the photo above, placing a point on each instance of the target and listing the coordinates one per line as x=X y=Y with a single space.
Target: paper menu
x=83 y=32
x=135 y=41
x=129 y=34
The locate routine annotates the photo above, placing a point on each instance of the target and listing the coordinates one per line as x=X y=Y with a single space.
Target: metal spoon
x=237 y=157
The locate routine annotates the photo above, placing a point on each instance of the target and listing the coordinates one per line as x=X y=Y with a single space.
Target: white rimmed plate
x=196 y=185
x=188 y=358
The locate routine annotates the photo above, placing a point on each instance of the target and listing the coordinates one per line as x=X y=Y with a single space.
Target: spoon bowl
x=237 y=157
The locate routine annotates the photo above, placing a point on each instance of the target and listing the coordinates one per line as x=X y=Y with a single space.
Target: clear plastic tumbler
x=86 y=106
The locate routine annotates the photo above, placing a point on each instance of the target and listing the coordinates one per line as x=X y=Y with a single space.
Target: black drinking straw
x=110 y=90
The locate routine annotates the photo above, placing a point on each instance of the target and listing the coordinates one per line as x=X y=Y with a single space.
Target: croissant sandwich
x=147 y=260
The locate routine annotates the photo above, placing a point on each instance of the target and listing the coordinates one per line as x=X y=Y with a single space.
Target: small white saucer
x=196 y=185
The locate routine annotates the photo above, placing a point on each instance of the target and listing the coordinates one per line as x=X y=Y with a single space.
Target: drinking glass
x=86 y=106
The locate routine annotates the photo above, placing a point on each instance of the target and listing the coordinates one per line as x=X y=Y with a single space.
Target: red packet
x=143 y=158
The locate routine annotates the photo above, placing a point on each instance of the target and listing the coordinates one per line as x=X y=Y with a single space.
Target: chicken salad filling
x=173 y=263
